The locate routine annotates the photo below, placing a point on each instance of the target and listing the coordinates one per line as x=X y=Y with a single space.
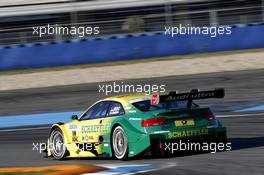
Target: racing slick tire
x=119 y=143
x=57 y=144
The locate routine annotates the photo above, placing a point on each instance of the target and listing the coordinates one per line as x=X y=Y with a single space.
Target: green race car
x=129 y=125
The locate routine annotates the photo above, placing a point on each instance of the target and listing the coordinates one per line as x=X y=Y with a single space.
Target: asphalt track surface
x=246 y=133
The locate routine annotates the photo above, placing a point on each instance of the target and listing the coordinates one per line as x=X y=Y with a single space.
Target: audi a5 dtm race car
x=128 y=125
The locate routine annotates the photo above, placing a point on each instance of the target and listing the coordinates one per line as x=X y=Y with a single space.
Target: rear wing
x=194 y=94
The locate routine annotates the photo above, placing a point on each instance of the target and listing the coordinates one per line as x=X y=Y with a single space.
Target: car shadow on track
x=236 y=144
x=244 y=143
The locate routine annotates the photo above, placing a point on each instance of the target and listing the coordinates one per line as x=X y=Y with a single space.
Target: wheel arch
x=137 y=140
x=112 y=130
x=111 y=137
x=63 y=130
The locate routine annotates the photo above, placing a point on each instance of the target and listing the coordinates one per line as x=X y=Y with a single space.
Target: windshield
x=146 y=105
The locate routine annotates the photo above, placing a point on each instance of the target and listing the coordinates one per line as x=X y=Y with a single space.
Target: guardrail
x=126 y=47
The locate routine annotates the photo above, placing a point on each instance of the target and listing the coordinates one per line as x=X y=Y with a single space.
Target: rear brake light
x=209 y=116
x=153 y=122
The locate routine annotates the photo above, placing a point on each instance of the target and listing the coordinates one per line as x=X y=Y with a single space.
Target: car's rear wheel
x=119 y=143
x=57 y=147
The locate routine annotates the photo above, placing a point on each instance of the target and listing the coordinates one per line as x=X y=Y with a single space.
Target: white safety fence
x=27 y=2
x=17 y=29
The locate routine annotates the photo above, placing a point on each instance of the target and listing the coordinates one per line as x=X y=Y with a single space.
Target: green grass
x=134 y=61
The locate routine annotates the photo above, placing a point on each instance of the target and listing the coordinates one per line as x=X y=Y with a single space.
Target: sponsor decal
x=73 y=127
x=190 y=96
x=184 y=122
x=85 y=137
x=74 y=136
x=95 y=128
x=132 y=111
x=135 y=119
x=114 y=110
x=160 y=132
x=90 y=138
x=188 y=133
x=154 y=99
x=217 y=93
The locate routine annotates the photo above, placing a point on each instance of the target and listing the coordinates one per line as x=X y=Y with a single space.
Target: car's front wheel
x=57 y=147
x=120 y=143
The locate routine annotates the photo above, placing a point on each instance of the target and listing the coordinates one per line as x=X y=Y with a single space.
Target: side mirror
x=74 y=117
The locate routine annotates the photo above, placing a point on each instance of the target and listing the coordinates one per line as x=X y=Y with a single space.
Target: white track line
x=239 y=115
x=113 y=169
x=23 y=129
